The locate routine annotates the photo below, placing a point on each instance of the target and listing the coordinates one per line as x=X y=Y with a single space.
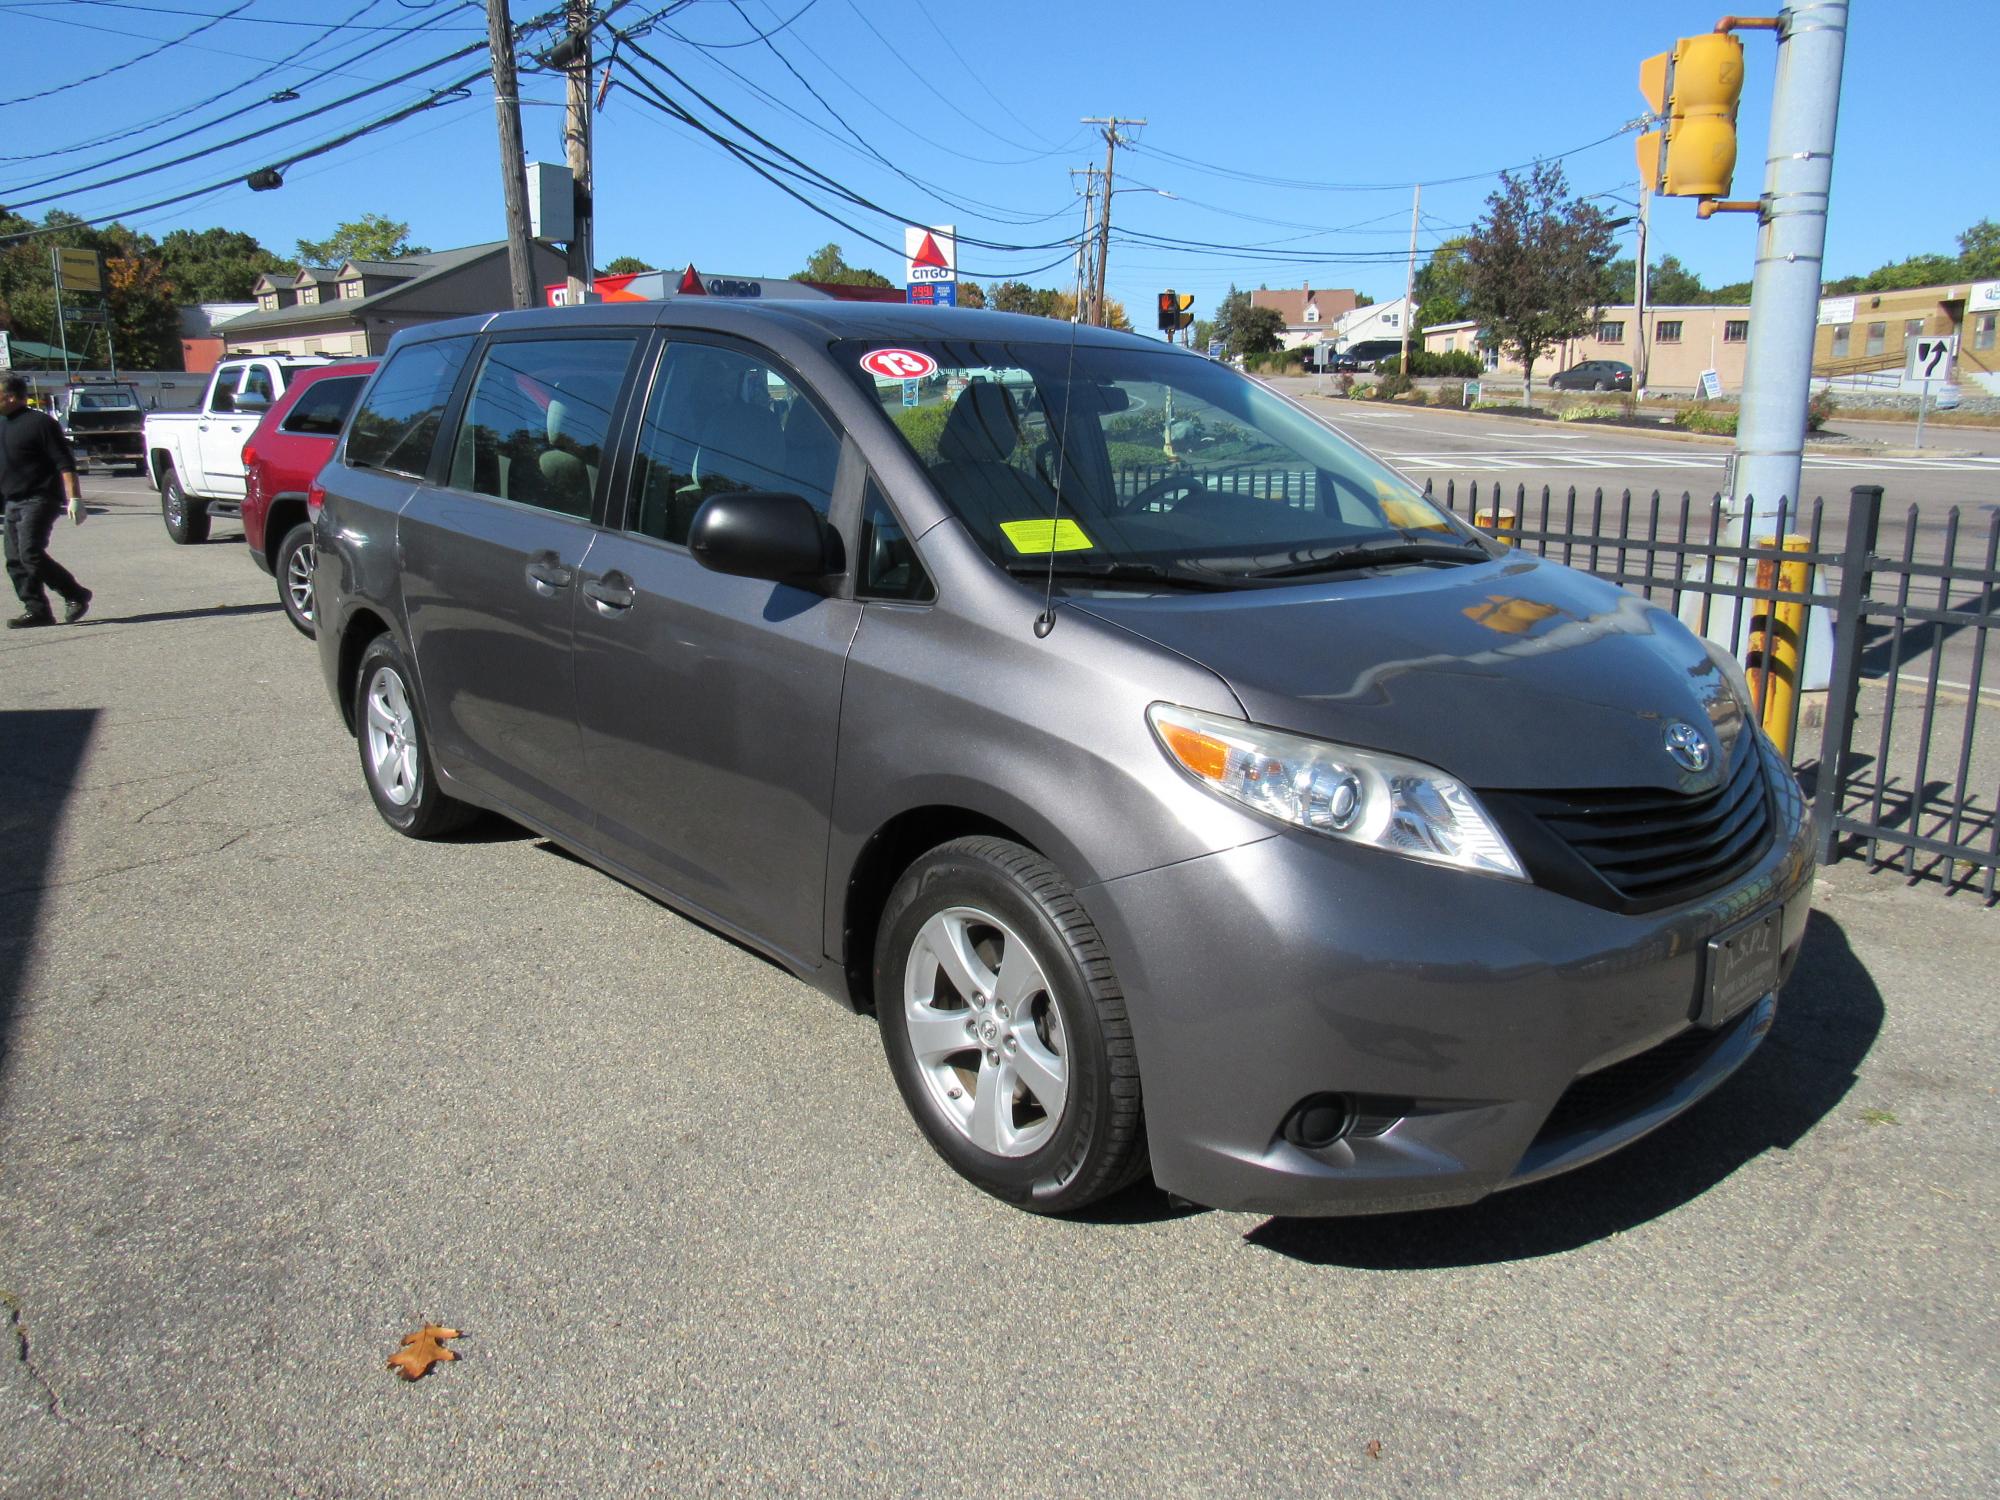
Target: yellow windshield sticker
x=1411 y=514
x=1034 y=537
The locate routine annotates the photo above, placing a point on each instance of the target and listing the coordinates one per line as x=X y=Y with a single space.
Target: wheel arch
x=287 y=509
x=882 y=859
x=361 y=629
x=159 y=464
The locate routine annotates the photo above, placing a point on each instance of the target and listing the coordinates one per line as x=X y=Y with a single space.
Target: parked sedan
x=1178 y=808
x=291 y=444
x=1594 y=375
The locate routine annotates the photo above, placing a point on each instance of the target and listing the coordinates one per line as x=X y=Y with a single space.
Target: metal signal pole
x=513 y=167
x=1110 y=124
x=1791 y=240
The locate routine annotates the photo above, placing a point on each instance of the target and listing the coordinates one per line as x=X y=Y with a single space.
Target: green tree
x=370 y=237
x=826 y=265
x=969 y=294
x=1440 y=285
x=1229 y=312
x=216 y=265
x=1979 y=252
x=1259 y=330
x=1534 y=265
x=138 y=295
x=627 y=265
x=1671 y=284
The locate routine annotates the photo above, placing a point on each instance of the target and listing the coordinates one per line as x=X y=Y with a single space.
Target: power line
x=759 y=36
x=163 y=10
x=165 y=46
x=91 y=187
x=1300 y=184
x=127 y=133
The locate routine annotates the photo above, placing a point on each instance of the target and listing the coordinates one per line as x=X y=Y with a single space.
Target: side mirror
x=253 y=401
x=763 y=534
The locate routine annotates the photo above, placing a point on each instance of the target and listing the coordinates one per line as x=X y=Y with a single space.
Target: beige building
x=358 y=307
x=1683 y=342
x=1868 y=333
x=1310 y=313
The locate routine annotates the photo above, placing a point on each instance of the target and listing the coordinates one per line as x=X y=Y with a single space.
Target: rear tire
x=1005 y=1027
x=294 y=569
x=395 y=751
x=186 y=518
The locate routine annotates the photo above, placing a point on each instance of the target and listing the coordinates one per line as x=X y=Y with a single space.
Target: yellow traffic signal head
x=1706 y=83
x=1653 y=81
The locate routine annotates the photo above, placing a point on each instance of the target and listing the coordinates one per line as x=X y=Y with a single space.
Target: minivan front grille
x=1649 y=847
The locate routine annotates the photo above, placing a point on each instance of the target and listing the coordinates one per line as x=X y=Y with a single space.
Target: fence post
x=1864 y=513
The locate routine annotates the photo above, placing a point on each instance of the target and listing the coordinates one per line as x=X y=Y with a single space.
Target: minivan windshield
x=1173 y=470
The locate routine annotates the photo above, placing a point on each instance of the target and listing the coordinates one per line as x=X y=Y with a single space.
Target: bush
x=1392 y=384
x=1277 y=362
x=1819 y=409
x=1344 y=384
x=1451 y=393
x=1426 y=364
x=1720 y=421
x=1587 y=411
x=922 y=425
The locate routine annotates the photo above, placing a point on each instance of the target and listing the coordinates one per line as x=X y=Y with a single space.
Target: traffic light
x=1696 y=87
x=1183 y=310
x=1170 y=312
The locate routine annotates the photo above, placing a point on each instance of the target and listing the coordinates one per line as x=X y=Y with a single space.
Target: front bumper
x=1487 y=1032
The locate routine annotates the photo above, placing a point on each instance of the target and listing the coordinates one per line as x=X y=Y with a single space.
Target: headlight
x=1735 y=679
x=1361 y=796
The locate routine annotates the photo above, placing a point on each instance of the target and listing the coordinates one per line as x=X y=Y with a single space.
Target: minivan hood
x=1515 y=673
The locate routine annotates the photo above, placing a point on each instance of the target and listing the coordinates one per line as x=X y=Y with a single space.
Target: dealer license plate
x=1742 y=966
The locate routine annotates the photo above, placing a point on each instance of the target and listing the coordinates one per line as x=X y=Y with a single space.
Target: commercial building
x=1863 y=337
x=1682 y=344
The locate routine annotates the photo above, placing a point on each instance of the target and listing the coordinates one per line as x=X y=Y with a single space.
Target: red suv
x=291 y=445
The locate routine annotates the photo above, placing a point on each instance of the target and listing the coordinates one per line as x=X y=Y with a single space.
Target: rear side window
x=535 y=426
x=397 y=422
x=322 y=407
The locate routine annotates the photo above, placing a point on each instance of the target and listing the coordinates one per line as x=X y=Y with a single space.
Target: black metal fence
x=1895 y=613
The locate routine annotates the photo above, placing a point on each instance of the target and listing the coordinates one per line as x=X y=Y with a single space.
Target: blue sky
x=983 y=106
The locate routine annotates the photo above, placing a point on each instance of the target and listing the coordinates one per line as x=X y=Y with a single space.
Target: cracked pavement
x=279 y=1087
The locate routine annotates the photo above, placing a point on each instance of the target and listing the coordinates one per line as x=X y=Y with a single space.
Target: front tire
x=1005 y=1027
x=294 y=568
x=186 y=518
x=395 y=752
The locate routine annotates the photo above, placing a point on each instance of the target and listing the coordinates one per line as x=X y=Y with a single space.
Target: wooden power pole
x=513 y=167
x=1110 y=124
x=576 y=141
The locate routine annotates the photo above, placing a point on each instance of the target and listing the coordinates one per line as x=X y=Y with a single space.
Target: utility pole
x=1084 y=276
x=1639 y=291
x=513 y=168
x=1110 y=124
x=576 y=141
x=1791 y=240
x=1410 y=277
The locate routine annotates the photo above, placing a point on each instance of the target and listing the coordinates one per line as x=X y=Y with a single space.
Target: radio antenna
x=1046 y=620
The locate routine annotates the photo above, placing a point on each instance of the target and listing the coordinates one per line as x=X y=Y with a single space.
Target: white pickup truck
x=195 y=458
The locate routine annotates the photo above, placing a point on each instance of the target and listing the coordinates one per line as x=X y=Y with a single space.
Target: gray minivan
x=1182 y=791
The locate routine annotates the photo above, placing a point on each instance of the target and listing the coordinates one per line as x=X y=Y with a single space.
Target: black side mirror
x=763 y=534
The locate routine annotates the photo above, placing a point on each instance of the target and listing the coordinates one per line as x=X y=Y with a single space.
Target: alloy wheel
x=393 y=760
x=299 y=582
x=986 y=1032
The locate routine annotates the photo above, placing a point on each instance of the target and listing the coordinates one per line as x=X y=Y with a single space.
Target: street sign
x=1930 y=358
x=79 y=271
x=930 y=254
x=1215 y=348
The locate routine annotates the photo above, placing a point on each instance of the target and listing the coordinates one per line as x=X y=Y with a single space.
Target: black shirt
x=33 y=455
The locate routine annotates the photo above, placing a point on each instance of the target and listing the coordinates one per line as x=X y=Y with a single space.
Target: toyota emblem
x=1686 y=745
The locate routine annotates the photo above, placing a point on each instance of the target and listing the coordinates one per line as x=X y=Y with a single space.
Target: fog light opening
x=1320 y=1120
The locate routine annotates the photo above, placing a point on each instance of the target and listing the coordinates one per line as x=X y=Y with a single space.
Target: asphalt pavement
x=279 y=1086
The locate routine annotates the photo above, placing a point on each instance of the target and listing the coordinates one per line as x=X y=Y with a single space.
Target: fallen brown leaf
x=1374 y=1448
x=421 y=1350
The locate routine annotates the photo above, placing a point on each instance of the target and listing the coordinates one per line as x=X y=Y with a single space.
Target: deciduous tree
x=628 y=265
x=370 y=237
x=827 y=265
x=1534 y=264
x=216 y=265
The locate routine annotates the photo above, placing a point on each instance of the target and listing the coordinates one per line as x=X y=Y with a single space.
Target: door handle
x=613 y=594
x=546 y=575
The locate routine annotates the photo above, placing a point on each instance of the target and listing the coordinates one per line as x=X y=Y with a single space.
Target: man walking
x=35 y=465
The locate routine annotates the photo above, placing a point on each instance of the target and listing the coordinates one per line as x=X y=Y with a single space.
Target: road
x=279 y=1086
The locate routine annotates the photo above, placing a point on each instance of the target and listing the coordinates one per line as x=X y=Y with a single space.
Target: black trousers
x=29 y=567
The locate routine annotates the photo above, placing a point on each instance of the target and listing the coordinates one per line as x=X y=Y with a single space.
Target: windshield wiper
x=1376 y=551
x=1115 y=571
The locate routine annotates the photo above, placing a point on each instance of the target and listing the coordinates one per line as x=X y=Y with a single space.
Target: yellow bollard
x=1776 y=634
x=1500 y=524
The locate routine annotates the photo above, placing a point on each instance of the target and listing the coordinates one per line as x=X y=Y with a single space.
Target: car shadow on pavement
x=1828 y=1018
x=42 y=749
x=214 y=611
